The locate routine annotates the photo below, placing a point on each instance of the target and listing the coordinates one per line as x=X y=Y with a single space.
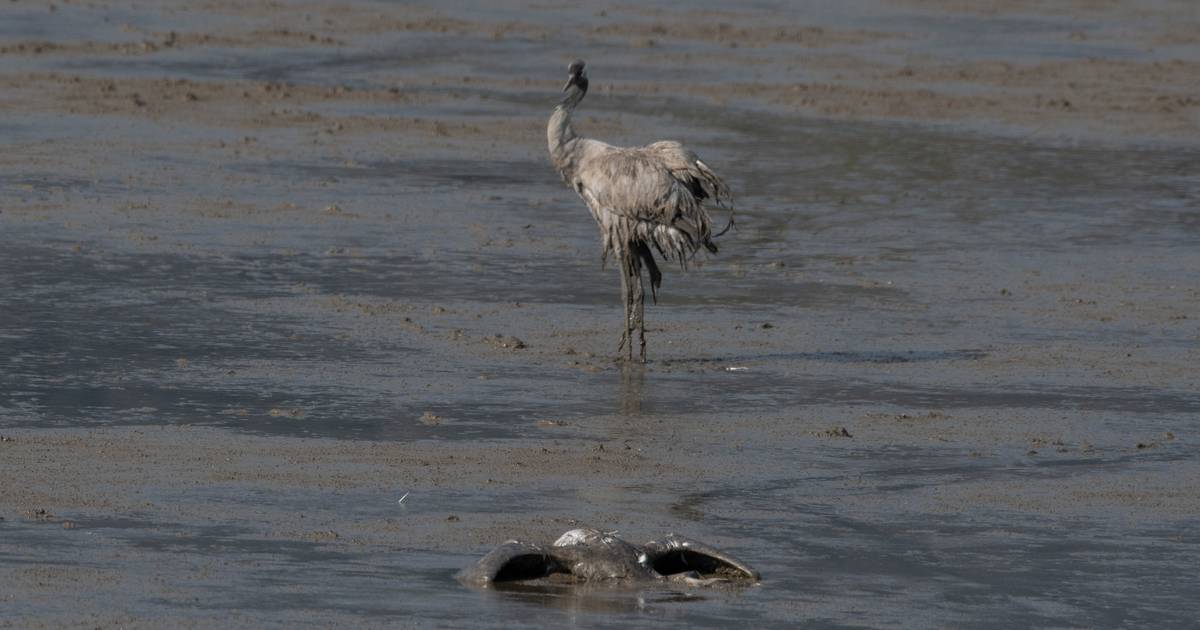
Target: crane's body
x=641 y=198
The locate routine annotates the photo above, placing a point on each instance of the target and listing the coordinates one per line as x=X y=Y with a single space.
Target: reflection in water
x=590 y=598
x=633 y=378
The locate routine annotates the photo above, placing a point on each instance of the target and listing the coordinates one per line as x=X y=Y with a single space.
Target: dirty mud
x=296 y=320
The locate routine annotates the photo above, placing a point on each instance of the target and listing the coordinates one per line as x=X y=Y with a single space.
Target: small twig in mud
x=401 y=501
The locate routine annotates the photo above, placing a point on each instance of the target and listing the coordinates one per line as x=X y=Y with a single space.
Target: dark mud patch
x=42 y=184
x=421 y=174
x=756 y=388
x=865 y=356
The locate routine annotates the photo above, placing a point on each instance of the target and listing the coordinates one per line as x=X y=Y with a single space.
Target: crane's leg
x=626 y=340
x=644 y=257
x=639 y=309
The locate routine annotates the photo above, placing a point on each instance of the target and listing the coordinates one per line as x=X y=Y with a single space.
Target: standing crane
x=640 y=197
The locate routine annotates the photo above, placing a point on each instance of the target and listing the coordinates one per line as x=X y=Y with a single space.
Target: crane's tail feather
x=727 y=226
x=719 y=193
x=725 y=202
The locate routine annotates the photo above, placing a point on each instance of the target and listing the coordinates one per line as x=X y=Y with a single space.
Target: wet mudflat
x=265 y=272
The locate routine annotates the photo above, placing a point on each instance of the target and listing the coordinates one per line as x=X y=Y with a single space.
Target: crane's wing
x=638 y=184
x=687 y=167
x=511 y=561
x=676 y=554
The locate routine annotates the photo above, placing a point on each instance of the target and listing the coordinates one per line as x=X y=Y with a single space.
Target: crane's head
x=576 y=76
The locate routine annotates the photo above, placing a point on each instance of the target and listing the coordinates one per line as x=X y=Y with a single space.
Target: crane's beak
x=570 y=82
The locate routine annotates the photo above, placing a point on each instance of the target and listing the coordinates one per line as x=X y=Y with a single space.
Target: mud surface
x=296 y=320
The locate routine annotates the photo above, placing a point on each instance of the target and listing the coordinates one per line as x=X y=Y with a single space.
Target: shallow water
x=883 y=269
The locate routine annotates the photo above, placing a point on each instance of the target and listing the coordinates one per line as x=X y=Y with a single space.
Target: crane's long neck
x=560 y=135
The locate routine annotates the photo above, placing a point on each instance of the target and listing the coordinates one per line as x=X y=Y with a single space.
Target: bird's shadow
x=632 y=388
x=859 y=356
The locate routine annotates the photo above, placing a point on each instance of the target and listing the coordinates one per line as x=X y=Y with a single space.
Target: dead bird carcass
x=590 y=555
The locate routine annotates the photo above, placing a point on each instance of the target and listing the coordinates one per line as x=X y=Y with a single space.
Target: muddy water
x=1005 y=325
